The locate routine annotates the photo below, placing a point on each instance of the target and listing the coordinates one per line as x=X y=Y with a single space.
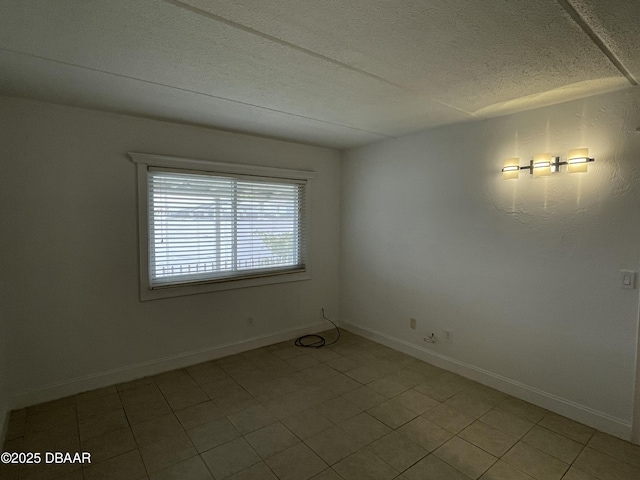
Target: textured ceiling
x=336 y=73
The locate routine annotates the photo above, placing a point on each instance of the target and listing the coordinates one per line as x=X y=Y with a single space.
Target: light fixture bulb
x=511 y=168
x=542 y=165
x=578 y=160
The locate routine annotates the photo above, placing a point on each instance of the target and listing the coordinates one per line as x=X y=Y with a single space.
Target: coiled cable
x=316 y=341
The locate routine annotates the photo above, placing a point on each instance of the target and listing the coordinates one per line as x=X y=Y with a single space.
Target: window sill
x=198 y=288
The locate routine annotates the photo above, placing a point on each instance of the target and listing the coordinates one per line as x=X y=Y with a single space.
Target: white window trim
x=145 y=160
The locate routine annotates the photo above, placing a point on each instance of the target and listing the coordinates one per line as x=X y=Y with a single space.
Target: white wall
x=70 y=250
x=525 y=273
x=635 y=427
x=4 y=385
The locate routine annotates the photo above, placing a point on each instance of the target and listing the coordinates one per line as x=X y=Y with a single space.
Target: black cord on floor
x=316 y=341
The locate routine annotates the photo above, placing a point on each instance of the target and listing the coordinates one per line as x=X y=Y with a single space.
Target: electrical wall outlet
x=628 y=279
x=412 y=323
x=448 y=336
x=250 y=321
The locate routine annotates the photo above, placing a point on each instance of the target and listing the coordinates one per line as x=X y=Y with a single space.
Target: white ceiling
x=336 y=73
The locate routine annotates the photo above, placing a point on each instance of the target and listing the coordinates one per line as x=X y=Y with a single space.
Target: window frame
x=146 y=161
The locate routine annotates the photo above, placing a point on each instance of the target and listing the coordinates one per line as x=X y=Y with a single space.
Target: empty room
x=329 y=240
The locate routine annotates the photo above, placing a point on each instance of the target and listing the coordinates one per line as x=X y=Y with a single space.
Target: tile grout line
x=75 y=403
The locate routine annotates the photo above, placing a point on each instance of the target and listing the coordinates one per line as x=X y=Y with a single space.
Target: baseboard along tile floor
x=355 y=410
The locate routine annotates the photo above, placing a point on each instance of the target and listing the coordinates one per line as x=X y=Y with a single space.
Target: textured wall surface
x=70 y=250
x=525 y=272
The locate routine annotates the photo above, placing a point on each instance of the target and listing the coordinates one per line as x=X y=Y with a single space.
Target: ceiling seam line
x=195 y=92
x=593 y=36
x=266 y=36
x=173 y=121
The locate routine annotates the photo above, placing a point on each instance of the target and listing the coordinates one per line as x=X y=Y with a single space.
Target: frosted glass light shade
x=577 y=160
x=511 y=168
x=542 y=165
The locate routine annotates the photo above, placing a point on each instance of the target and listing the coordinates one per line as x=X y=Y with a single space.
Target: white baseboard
x=154 y=367
x=580 y=413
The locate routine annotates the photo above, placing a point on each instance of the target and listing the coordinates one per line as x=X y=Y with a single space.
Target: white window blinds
x=205 y=226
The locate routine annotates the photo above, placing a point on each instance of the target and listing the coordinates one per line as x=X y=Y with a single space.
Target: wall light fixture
x=544 y=164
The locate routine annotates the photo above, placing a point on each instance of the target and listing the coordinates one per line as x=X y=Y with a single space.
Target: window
x=208 y=226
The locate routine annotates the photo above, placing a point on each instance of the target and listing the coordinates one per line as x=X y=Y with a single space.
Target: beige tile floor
x=356 y=410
